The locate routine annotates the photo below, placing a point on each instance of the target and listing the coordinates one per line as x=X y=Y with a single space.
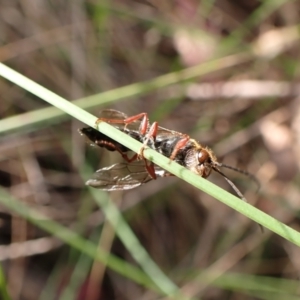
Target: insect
x=136 y=170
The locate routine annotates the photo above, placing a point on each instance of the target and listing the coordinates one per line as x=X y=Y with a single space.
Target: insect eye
x=203 y=156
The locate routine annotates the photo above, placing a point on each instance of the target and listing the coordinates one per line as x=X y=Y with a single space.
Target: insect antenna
x=231 y=184
x=249 y=175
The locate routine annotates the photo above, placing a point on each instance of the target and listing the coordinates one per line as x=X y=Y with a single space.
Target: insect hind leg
x=143 y=126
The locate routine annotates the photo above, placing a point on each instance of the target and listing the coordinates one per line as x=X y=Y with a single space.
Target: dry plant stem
x=36 y=42
x=29 y=248
x=296 y=128
x=98 y=269
x=242 y=89
x=34 y=174
x=223 y=264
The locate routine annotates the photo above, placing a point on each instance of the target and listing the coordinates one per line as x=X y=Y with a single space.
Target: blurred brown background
x=249 y=114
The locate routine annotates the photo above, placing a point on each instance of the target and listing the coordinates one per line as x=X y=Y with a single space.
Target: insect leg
x=113 y=147
x=180 y=144
x=143 y=129
x=150 y=169
x=143 y=126
x=151 y=134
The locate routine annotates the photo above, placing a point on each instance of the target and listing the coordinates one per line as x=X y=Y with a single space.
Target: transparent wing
x=123 y=176
x=112 y=114
x=164 y=133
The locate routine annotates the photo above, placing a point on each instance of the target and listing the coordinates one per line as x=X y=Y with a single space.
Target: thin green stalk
x=245 y=208
x=164 y=284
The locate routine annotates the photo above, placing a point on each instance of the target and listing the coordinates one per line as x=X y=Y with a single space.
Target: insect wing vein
x=122 y=176
x=112 y=114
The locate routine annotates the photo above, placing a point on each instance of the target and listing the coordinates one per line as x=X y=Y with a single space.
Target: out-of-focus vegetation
x=246 y=108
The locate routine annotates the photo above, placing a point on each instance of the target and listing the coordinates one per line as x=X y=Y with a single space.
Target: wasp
x=136 y=170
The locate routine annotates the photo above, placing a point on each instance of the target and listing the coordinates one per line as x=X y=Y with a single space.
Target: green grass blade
x=203 y=184
x=164 y=284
